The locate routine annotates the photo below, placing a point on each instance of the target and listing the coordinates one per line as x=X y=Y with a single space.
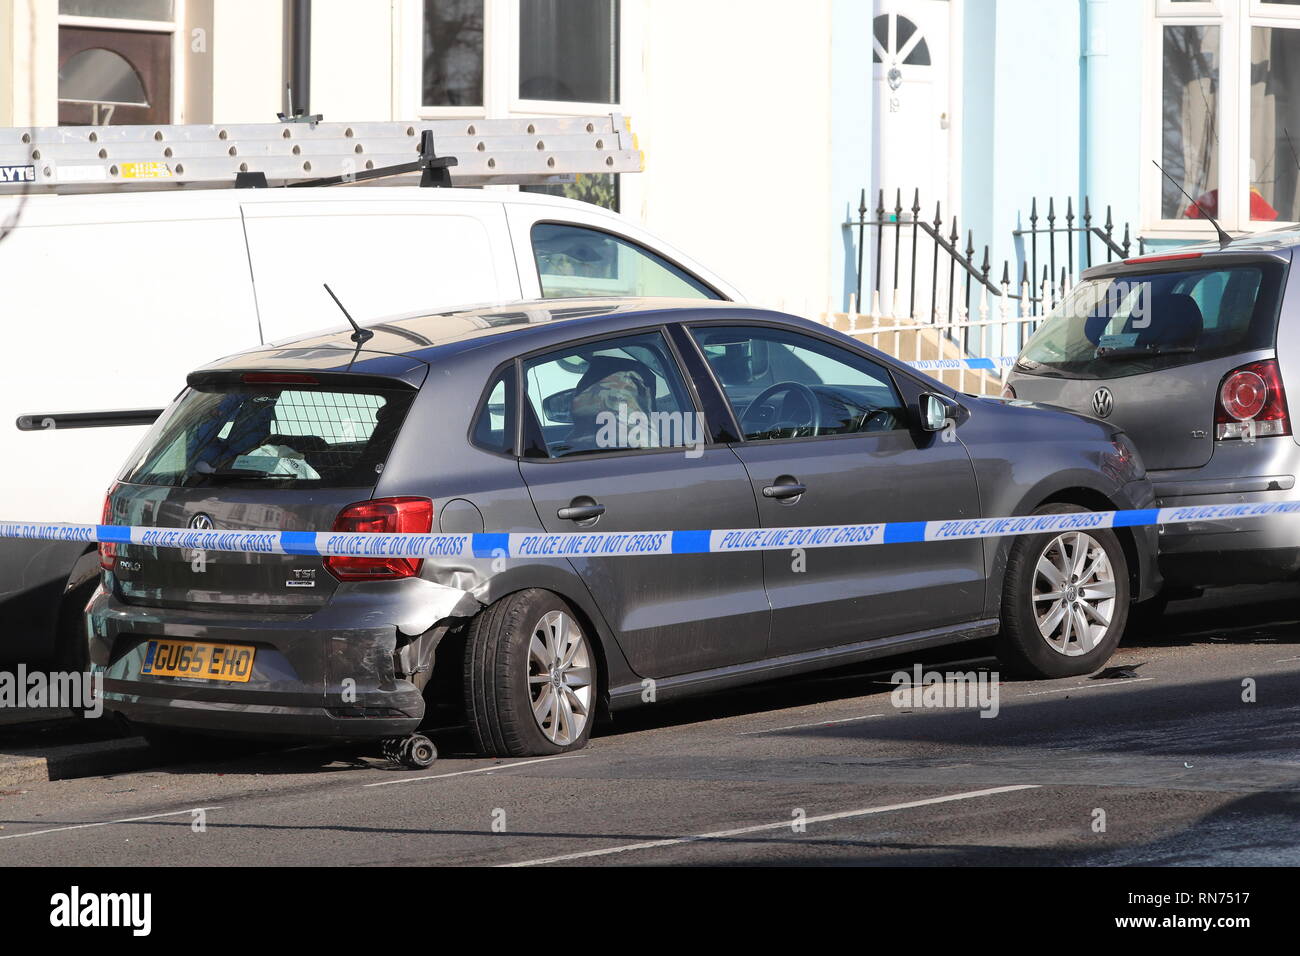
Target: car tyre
x=1059 y=588
x=530 y=677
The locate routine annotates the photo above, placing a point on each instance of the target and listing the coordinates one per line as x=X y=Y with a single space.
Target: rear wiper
x=1144 y=351
x=236 y=474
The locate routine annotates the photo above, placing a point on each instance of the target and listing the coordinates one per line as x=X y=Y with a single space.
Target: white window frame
x=172 y=26
x=500 y=67
x=1235 y=20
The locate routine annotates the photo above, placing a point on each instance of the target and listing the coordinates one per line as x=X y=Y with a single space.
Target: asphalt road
x=1178 y=767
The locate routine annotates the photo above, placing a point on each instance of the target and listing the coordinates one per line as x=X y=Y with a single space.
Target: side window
x=576 y=262
x=785 y=385
x=610 y=395
x=494 y=429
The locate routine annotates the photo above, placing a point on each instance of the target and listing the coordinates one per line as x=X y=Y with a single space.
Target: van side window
x=577 y=262
x=494 y=429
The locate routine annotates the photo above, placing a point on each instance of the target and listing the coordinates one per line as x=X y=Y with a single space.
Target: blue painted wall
x=851 y=105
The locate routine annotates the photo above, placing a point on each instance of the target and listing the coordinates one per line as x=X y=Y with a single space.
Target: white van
x=109 y=300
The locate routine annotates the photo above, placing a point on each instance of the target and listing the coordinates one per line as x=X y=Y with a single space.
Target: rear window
x=1128 y=324
x=281 y=436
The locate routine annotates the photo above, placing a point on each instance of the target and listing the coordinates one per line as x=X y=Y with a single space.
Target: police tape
x=608 y=544
x=992 y=364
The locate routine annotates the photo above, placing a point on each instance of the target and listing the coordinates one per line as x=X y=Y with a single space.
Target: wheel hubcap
x=1074 y=593
x=559 y=678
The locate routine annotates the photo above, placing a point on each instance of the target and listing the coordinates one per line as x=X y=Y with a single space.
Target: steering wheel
x=807 y=394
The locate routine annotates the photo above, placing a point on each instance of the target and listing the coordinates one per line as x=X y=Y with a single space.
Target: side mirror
x=558 y=407
x=935 y=412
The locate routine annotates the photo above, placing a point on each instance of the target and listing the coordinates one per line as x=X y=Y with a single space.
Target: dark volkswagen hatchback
x=564 y=416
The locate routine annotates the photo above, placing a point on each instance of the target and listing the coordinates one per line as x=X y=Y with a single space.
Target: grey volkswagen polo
x=621 y=415
x=1192 y=352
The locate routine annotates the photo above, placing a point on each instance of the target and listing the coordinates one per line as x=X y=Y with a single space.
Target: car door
x=828 y=439
x=615 y=442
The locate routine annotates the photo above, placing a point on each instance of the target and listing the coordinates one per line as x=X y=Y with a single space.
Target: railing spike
x=862 y=204
x=916 y=203
x=938 y=218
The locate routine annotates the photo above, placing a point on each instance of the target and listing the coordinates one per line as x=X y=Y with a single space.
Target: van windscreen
x=282 y=436
x=1127 y=324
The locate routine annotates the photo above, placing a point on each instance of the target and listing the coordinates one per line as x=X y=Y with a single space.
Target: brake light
x=1171 y=257
x=107 y=550
x=277 y=378
x=1251 y=403
x=1008 y=391
x=381 y=516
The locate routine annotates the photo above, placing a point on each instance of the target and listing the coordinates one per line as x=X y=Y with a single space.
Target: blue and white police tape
x=993 y=364
x=608 y=544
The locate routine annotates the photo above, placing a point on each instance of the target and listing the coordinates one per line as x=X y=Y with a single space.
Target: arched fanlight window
x=897 y=40
x=101 y=76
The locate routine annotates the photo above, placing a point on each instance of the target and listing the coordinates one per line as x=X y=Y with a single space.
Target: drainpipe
x=1092 y=37
x=300 y=58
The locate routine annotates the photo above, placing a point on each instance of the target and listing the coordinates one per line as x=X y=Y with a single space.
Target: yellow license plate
x=229 y=662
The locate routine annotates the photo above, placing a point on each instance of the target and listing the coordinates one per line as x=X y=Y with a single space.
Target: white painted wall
x=731 y=102
x=247 y=47
x=732 y=106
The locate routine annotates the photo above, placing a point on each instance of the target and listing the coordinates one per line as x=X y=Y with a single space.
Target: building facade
x=765 y=123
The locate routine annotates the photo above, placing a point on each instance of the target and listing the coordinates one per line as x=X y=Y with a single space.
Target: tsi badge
x=302 y=578
x=1103 y=402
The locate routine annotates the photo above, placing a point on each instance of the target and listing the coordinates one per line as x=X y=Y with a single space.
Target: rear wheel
x=530 y=677
x=1065 y=600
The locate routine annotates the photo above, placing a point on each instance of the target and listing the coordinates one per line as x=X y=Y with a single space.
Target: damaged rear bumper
x=352 y=670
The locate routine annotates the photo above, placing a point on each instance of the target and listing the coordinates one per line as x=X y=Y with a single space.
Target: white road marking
x=1287 y=660
x=461 y=773
x=818 y=723
x=105 y=823
x=1062 y=690
x=781 y=825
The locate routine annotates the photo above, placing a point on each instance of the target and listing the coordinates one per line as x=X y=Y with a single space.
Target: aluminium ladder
x=471 y=152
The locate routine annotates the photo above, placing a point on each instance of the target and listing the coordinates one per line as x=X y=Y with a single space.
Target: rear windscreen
x=282 y=436
x=1128 y=324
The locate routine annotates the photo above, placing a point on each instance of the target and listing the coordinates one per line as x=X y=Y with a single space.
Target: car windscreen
x=271 y=435
x=1132 y=323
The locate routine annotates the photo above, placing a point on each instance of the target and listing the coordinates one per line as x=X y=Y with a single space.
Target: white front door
x=913 y=129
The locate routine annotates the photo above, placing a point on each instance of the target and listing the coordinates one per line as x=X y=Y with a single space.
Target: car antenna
x=1224 y=238
x=359 y=335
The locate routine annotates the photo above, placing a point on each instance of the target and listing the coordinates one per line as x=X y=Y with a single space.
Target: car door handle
x=580 y=512
x=784 y=491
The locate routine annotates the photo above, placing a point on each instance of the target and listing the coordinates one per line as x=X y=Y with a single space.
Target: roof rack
x=468 y=153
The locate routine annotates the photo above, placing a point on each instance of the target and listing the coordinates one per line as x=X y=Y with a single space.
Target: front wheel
x=1065 y=600
x=530 y=677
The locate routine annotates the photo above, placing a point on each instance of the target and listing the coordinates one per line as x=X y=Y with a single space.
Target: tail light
x=1251 y=402
x=1008 y=391
x=381 y=516
x=107 y=551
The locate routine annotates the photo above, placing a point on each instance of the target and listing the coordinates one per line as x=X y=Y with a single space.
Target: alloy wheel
x=559 y=678
x=1074 y=593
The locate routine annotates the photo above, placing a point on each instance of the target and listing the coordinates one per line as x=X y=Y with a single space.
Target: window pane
x=1107 y=328
x=453 y=53
x=1191 y=115
x=1274 y=123
x=329 y=438
x=614 y=395
x=568 y=50
x=785 y=385
x=117 y=9
x=599 y=189
x=575 y=262
x=495 y=428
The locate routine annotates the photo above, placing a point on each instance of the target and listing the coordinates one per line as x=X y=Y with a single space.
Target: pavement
x=1185 y=750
